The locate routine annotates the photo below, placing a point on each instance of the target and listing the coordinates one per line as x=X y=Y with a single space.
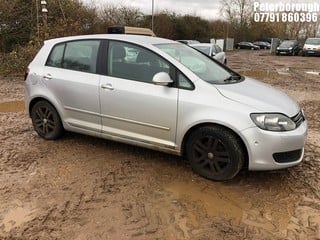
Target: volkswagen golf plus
x=161 y=94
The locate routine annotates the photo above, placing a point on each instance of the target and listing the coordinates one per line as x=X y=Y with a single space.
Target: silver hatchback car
x=161 y=94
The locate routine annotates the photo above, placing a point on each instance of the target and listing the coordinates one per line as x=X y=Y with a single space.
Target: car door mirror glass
x=162 y=78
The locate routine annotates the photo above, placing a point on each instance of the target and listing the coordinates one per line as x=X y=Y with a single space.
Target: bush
x=15 y=62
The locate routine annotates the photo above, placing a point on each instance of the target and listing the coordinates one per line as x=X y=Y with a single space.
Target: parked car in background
x=289 y=47
x=212 y=50
x=262 y=45
x=247 y=45
x=268 y=40
x=166 y=96
x=311 y=47
x=188 y=41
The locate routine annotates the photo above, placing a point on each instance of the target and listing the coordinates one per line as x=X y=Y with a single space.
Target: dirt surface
x=81 y=187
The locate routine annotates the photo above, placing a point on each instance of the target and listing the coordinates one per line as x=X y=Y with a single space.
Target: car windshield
x=287 y=44
x=313 y=41
x=201 y=65
x=204 y=49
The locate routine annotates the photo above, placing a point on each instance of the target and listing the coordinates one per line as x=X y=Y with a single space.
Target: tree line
x=21 y=22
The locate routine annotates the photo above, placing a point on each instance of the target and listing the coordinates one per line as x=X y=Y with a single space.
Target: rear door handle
x=107 y=86
x=47 y=77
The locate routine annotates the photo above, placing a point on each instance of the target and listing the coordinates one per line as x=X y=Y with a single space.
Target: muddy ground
x=82 y=187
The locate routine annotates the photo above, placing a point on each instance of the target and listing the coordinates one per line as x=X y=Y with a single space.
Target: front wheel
x=215 y=153
x=46 y=120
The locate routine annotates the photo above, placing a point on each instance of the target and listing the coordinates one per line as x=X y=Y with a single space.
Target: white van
x=311 y=47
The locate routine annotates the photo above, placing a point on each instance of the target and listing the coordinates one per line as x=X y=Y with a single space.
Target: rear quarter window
x=56 y=56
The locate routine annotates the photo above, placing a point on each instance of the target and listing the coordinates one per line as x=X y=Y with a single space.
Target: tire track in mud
x=85 y=188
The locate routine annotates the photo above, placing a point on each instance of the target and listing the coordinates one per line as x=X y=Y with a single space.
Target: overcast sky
x=208 y=9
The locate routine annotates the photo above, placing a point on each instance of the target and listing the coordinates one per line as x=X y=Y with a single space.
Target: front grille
x=298 y=119
x=286 y=157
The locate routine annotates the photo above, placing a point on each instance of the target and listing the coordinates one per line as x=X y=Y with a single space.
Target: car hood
x=311 y=46
x=260 y=96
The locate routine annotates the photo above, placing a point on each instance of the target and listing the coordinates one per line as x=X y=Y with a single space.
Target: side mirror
x=162 y=79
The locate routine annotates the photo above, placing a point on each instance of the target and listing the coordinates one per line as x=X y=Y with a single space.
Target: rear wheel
x=215 y=153
x=46 y=120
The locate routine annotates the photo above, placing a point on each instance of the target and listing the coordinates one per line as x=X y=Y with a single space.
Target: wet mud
x=81 y=187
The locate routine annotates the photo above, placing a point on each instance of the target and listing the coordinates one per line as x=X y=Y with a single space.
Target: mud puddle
x=16 y=217
x=235 y=205
x=13 y=106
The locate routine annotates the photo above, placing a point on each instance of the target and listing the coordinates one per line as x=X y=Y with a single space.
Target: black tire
x=46 y=120
x=215 y=153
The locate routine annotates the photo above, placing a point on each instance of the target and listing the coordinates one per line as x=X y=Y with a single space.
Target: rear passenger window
x=75 y=55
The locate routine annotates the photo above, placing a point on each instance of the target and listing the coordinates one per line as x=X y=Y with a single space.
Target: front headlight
x=273 y=121
x=290 y=48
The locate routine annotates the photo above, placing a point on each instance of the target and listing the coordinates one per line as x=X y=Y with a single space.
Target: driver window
x=132 y=62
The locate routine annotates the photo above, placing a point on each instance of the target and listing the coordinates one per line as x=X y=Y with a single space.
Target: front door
x=131 y=105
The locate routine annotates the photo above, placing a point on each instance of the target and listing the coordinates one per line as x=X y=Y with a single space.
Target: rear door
x=131 y=105
x=70 y=74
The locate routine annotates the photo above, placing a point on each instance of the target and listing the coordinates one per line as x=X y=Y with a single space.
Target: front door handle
x=107 y=86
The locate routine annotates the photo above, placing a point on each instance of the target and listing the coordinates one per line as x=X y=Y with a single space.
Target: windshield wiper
x=232 y=78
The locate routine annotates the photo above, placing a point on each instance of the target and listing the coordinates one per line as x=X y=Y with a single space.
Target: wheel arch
x=208 y=124
x=38 y=99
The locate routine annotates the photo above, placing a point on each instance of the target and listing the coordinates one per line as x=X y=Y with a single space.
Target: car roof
x=138 y=39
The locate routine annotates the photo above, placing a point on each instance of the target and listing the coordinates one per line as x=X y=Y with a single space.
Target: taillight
x=26 y=74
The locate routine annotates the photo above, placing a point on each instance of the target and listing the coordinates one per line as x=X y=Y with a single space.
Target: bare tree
x=237 y=10
x=239 y=14
x=120 y=15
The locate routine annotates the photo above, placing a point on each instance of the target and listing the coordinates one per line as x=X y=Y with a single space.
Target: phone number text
x=286 y=17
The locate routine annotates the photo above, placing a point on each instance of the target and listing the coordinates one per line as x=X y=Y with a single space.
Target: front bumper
x=284 y=52
x=310 y=52
x=265 y=147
